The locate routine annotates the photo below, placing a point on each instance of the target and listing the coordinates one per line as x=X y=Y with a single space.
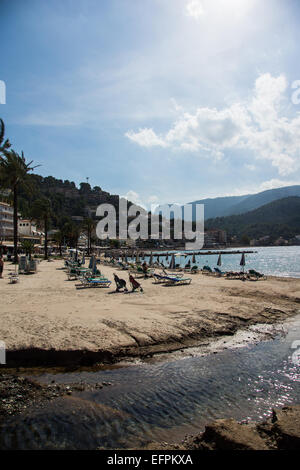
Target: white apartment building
x=6 y=221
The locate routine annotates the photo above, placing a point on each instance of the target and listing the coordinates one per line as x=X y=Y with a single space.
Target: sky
x=161 y=101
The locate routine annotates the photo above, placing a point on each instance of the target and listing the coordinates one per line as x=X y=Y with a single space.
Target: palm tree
x=42 y=212
x=13 y=174
x=28 y=247
x=88 y=226
x=4 y=144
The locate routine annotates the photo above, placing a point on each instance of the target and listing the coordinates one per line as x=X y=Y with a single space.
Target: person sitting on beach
x=135 y=285
x=145 y=269
x=1 y=266
x=120 y=284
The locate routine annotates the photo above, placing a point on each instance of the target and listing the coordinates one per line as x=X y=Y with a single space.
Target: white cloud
x=145 y=203
x=134 y=197
x=146 y=138
x=257 y=125
x=276 y=183
x=194 y=9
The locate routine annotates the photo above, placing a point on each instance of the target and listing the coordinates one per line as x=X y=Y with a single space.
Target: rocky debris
x=17 y=393
x=228 y=434
x=280 y=432
x=286 y=426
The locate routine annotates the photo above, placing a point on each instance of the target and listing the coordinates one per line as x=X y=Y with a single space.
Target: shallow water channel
x=163 y=400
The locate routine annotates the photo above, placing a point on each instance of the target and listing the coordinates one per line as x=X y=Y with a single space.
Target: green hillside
x=65 y=198
x=278 y=218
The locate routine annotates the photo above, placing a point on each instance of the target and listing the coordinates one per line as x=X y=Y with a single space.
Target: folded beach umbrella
x=83 y=260
x=188 y=264
x=194 y=258
x=94 y=268
x=219 y=263
x=151 y=259
x=137 y=258
x=172 y=263
x=243 y=261
x=167 y=256
x=91 y=263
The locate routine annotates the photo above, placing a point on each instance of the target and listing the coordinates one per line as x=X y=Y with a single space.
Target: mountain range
x=275 y=219
x=234 y=205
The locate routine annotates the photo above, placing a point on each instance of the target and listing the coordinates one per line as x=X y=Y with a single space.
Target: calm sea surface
x=276 y=261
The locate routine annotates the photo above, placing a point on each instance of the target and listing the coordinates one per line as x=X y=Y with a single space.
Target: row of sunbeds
x=252 y=274
x=88 y=277
x=93 y=278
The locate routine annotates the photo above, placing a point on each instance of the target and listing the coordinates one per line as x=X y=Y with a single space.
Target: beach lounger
x=95 y=282
x=256 y=275
x=75 y=273
x=122 y=266
x=165 y=273
x=171 y=280
x=176 y=281
x=13 y=278
x=159 y=278
x=219 y=272
x=192 y=270
x=207 y=270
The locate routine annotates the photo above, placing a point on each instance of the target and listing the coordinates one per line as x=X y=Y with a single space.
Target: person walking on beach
x=1 y=266
x=135 y=285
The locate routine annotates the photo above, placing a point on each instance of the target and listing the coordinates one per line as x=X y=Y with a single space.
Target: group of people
x=121 y=284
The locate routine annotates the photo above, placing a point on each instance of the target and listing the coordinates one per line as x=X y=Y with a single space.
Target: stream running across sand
x=163 y=401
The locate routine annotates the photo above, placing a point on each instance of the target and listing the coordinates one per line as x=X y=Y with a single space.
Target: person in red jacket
x=1 y=266
x=135 y=285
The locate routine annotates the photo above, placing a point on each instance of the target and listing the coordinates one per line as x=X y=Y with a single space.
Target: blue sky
x=160 y=100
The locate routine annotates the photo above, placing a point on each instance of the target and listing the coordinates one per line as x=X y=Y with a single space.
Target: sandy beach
x=47 y=314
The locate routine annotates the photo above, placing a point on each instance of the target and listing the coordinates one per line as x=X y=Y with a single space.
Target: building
x=6 y=221
x=215 y=238
x=27 y=227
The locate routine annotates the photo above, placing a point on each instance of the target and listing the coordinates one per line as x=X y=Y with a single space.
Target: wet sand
x=49 y=318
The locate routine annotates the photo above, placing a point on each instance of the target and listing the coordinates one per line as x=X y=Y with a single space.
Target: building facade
x=215 y=238
x=6 y=221
x=26 y=227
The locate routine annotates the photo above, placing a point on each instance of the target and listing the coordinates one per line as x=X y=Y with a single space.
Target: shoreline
x=50 y=321
x=279 y=432
x=73 y=359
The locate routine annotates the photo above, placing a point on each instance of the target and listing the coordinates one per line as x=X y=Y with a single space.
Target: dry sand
x=45 y=311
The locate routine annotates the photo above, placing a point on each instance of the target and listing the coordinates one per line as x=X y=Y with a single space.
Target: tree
x=4 y=144
x=41 y=211
x=28 y=247
x=114 y=243
x=85 y=188
x=88 y=226
x=245 y=239
x=59 y=238
x=71 y=233
x=13 y=174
